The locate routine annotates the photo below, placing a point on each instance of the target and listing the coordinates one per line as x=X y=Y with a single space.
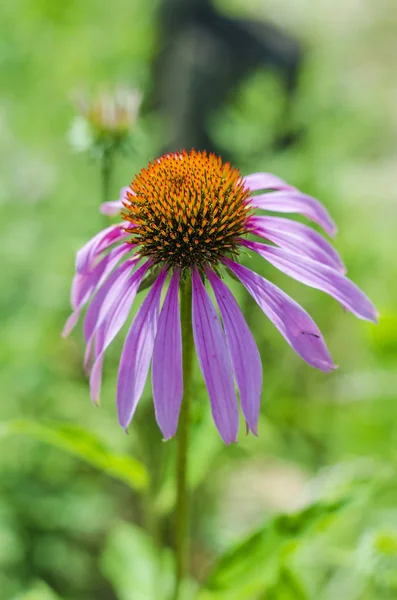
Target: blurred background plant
x=309 y=509
x=104 y=128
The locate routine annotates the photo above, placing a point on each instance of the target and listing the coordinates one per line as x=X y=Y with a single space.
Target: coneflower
x=186 y=217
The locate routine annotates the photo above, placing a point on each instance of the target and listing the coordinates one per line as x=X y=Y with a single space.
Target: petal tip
x=230 y=440
x=95 y=398
x=329 y=368
x=333 y=230
x=70 y=324
x=124 y=418
x=253 y=428
x=65 y=332
x=371 y=315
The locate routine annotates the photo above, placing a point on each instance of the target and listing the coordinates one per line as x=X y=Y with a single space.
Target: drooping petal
x=121 y=306
x=88 y=359
x=319 y=276
x=297 y=237
x=265 y=181
x=86 y=256
x=84 y=286
x=244 y=353
x=292 y=321
x=295 y=202
x=117 y=311
x=167 y=379
x=95 y=280
x=106 y=296
x=214 y=359
x=77 y=283
x=109 y=294
x=71 y=322
x=96 y=370
x=137 y=353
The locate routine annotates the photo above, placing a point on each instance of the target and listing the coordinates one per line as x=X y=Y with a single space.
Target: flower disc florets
x=188 y=209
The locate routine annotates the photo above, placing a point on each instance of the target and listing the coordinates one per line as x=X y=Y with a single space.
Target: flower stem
x=182 y=503
x=106 y=173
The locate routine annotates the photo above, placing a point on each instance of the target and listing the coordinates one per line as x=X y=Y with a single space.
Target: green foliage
x=324 y=437
x=137 y=569
x=84 y=445
x=39 y=591
x=287 y=587
x=261 y=562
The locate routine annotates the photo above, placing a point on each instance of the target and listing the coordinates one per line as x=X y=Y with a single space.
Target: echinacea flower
x=185 y=218
x=105 y=121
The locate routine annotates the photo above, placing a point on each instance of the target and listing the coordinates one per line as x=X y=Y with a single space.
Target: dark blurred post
x=202 y=59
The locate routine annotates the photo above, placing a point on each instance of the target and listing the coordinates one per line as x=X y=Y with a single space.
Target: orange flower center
x=188 y=209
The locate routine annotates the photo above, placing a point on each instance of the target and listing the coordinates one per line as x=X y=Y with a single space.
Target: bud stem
x=106 y=173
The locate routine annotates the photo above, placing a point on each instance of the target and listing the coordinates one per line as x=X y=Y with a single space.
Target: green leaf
x=254 y=564
x=85 y=445
x=287 y=587
x=136 y=569
x=39 y=591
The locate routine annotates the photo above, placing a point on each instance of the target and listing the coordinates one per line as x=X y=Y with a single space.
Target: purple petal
x=97 y=276
x=106 y=296
x=88 y=359
x=265 y=181
x=214 y=360
x=292 y=321
x=319 y=276
x=295 y=202
x=167 y=379
x=137 y=353
x=119 y=309
x=297 y=237
x=115 y=206
x=86 y=256
x=78 y=281
x=243 y=351
x=111 y=208
x=96 y=370
x=111 y=319
x=71 y=322
x=85 y=285
x=124 y=193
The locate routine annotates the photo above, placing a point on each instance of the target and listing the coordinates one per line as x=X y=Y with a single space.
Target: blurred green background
x=309 y=509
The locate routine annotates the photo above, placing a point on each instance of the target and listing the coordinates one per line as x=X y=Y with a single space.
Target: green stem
x=182 y=503
x=106 y=173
